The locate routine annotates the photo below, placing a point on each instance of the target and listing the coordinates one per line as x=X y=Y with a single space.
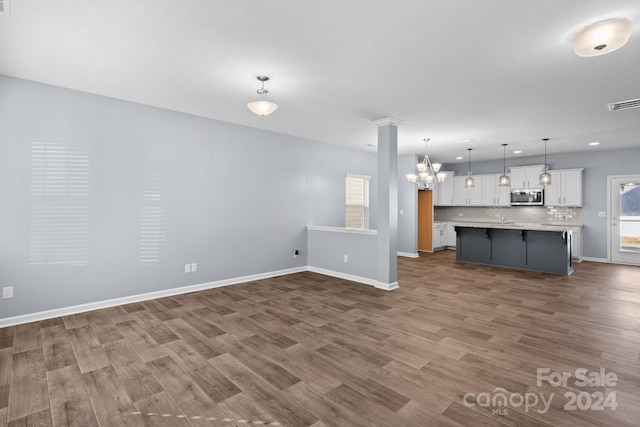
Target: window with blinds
x=59 y=217
x=357 y=201
x=153 y=207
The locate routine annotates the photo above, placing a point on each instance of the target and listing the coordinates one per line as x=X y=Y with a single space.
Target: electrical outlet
x=346 y=258
x=187 y=268
x=7 y=292
x=194 y=267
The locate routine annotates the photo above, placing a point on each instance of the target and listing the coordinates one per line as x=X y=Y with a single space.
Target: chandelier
x=428 y=173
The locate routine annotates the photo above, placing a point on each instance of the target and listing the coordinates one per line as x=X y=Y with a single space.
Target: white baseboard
x=82 y=308
x=66 y=311
x=408 y=254
x=586 y=258
x=352 y=278
x=339 y=275
x=387 y=286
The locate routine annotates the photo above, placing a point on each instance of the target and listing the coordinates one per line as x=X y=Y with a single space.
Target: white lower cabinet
x=451 y=235
x=439 y=235
x=444 y=235
x=577 y=243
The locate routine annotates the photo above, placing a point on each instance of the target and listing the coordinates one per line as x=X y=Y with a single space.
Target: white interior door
x=624 y=217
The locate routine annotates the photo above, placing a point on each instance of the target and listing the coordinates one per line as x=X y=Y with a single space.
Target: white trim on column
x=387 y=121
x=408 y=255
x=387 y=286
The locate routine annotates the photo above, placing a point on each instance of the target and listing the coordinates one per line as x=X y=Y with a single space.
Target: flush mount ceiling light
x=602 y=37
x=428 y=173
x=262 y=107
x=468 y=182
x=545 y=177
x=503 y=181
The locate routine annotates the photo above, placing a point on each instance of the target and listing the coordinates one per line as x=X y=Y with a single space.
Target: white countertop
x=513 y=226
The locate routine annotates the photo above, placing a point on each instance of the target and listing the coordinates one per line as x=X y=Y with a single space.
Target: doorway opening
x=624 y=222
x=425 y=221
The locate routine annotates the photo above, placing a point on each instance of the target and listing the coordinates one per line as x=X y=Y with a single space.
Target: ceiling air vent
x=624 y=105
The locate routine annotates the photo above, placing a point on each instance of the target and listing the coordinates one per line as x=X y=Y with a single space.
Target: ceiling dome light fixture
x=602 y=37
x=545 y=177
x=504 y=181
x=468 y=182
x=262 y=107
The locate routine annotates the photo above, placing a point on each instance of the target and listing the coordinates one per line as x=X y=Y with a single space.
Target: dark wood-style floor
x=307 y=349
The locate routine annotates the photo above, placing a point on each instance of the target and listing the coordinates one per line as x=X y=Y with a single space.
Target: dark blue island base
x=544 y=251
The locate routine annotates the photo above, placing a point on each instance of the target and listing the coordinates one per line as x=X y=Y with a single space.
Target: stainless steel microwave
x=527 y=197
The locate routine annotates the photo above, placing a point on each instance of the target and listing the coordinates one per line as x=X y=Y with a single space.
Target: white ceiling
x=490 y=71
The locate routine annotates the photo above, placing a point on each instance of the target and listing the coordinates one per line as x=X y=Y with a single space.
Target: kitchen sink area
x=531 y=219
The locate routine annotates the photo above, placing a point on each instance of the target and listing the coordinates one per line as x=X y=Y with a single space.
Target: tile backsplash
x=518 y=214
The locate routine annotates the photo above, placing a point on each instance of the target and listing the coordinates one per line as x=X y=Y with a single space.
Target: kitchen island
x=539 y=248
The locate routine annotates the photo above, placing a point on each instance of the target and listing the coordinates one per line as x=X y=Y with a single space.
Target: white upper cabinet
x=475 y=193
x=467 y=196
x=492 y=193
x=565 y=188
x=459 y=192
x=526 y=176
x=503 y=194
x=443 y=191
x=489 y=189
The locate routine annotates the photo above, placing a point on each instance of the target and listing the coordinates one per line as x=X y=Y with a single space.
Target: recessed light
x=594 y=143
x=517 y=152
x=463 y=141
x=459 y=158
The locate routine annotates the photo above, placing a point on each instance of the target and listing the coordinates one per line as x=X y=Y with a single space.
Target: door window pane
x=630 y=217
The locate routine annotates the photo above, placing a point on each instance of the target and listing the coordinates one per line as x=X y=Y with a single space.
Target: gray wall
x=597 y=164
x=185 y=189
x=408 y=205
x=328 y=248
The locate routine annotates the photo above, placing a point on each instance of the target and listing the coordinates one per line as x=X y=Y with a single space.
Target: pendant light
x=503 y=181
x=468 y=183
x=545 y=177
x=262 y=107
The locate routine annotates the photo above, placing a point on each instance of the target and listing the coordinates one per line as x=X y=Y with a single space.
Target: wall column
x=387 y=190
